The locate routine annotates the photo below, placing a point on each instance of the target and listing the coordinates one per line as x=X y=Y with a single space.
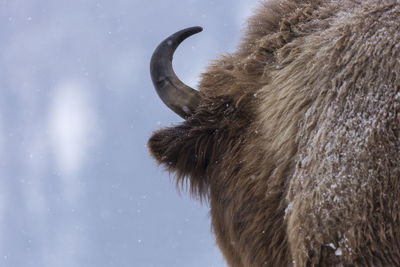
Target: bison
x=294 y=139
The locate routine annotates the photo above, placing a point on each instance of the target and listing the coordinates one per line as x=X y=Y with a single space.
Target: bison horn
x=179 y=97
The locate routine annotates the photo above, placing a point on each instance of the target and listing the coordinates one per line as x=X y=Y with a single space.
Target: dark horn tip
x=195 y=29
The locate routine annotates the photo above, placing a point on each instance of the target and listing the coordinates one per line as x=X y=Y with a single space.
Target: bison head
x=213 y=128
x=294 y=138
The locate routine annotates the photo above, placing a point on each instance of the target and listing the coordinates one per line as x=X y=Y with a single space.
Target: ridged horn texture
x=182 y=99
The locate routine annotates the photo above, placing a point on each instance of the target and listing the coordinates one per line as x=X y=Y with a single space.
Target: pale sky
x=77 y=184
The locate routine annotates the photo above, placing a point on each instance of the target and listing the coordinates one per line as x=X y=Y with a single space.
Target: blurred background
x=77 y=184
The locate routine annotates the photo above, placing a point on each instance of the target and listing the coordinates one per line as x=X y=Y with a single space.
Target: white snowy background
x=77 y=184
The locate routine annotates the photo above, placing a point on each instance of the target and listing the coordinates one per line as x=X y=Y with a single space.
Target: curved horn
x=179 y=97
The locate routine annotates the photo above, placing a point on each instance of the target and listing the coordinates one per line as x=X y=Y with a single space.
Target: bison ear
x=184 y=150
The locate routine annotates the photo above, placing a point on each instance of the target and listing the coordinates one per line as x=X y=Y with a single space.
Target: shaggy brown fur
x=297 y=142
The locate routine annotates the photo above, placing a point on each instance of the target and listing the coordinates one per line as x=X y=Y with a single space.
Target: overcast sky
x=77 y=184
